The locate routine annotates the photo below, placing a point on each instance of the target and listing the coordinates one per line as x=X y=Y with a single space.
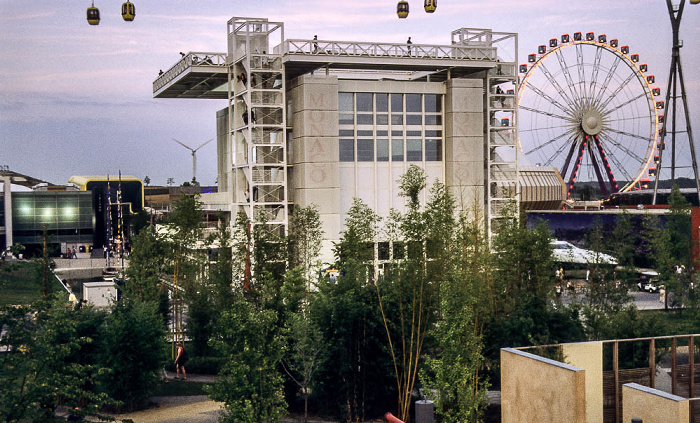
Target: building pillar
x=464 y=141
x=314 y=145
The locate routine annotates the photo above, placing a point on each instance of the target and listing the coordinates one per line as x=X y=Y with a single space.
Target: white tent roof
x=566 y=252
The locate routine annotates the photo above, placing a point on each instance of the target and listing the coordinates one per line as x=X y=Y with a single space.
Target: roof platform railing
x=323 y=49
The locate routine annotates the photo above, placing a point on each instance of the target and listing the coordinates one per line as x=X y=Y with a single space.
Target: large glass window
x=382 y=150
x=365 y=108
x=433 y=150
x=397 y=102
x=365 y=150
x=382 y=102
x=346 y=109
x=413 y=103
x=345 y=102
x=382 y=108
x=433 y=103
x=364 y=102
x=365 y=121
x=414 y=119
x=397 y=150
x=414 y=150
x=347 y=150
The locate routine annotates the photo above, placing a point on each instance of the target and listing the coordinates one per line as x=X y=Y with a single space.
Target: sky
x=77 y=99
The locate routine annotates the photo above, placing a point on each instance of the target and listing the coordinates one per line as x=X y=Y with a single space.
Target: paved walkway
x=198 y=408
x=193 y=377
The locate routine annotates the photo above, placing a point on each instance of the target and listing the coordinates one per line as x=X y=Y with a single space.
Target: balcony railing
x=200 y=59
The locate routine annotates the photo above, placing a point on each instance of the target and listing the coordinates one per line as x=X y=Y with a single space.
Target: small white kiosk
x=100 y=294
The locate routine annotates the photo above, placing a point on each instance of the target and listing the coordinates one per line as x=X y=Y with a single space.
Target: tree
x=221 y=271
x=520 y=295
x=658 y=245
x=147 y=268
x=410 y=284
x=185 y=223
x=49 y=361
x=606 y=294
x=356 y=243
x=305 y=235
x=132 y=348
x=304 y=339
x=679 y=227
x=354 y=370
x=250 y=385
x=452 y=378
x=354 y=378
x=670 y=248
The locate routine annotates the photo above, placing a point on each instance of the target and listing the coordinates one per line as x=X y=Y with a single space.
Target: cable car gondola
x=402 y=9
x=430 y=5
x=128 y=11
x=93 y=15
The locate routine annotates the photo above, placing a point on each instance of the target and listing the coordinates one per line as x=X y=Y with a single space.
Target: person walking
x=180 y=360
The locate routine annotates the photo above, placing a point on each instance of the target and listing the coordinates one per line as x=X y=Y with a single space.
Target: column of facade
x=314 y=175
x=464 y=141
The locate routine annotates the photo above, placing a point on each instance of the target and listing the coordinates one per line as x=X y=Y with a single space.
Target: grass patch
x=21 y=285
x=179 y=388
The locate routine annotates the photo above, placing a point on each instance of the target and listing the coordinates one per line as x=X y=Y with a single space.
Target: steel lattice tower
x=675 y=81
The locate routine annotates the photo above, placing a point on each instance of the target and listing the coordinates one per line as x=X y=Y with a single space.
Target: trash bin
x=424 y=411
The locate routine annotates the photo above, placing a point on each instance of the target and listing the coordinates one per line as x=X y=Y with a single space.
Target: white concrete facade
x=346 y=119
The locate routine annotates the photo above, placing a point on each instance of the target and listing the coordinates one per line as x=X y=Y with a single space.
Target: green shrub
x=132 y=348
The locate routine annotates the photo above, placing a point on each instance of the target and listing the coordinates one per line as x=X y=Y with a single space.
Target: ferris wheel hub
x=592 y=122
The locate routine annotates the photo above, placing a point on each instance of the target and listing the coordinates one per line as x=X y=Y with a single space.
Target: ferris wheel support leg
x=689 y=130
x=662 y=141
x=565 y=168
x=598 y=174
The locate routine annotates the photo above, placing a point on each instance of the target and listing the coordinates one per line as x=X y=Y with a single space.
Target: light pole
x=675 y=79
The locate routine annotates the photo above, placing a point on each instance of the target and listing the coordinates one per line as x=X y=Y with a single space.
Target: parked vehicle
x=648 y=281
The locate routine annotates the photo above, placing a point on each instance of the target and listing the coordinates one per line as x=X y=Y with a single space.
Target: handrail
x=189 y=60
x=365 y=49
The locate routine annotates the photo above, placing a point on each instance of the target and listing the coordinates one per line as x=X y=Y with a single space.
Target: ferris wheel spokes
x=565 y=70
x=556 y=85
x=559 y=150
x=550 y=114
x=549 y=98
x=611 y=71
x=570 y=132
x=619 y=106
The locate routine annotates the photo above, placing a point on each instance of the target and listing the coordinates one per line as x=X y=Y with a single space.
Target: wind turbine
x=194 y=156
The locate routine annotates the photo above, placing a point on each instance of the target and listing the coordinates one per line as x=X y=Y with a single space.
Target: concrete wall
x=82 y=268
x=653 y=406
x=537 y=389
x=589 y=356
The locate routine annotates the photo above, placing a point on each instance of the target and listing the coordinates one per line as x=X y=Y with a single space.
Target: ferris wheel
x=588 y=107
